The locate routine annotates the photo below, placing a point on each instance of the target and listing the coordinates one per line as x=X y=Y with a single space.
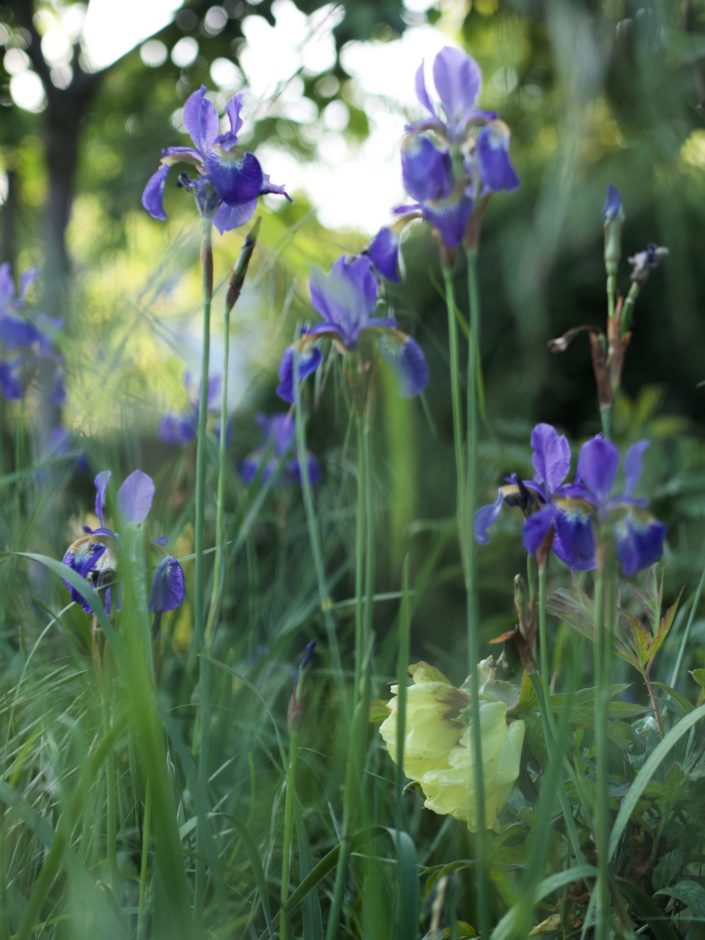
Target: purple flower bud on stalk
x=613 y=218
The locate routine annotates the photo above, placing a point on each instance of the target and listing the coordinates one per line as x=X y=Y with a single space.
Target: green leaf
x=642 y=779
x=690 y=893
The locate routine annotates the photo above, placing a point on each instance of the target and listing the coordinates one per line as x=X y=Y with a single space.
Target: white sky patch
x=113 y=27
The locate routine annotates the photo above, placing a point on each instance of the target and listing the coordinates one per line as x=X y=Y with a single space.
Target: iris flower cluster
x=26 y=340
x=346 y=299
x=93 y=555
x=276 y=453
x=228 y=180
x=458 y=155
x=569 y=517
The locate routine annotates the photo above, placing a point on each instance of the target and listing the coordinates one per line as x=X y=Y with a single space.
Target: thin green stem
x=288 y=831
x=144 y=865
x=199 y=574
x=543 y=640
x=315 y=545
x=601 y=819
x=456 y=399
x=472 y=607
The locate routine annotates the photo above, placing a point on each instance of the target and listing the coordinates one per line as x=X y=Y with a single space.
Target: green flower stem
x=456 y=400
x=315 y=545
x=199 y=575
x=237 y=279
x=465 y=519
x=543 y=639
x=288 y=831
x=144 y=865
x=601 y=646
x=611 y=295
x=364 y=552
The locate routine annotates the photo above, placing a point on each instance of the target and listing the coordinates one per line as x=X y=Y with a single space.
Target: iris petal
x=201 y=119
x=485 y=518
x=226 y=218
x=537 y=528
x=574 y=542
x=308 y=361
x=134 y=498
x=632 y=466
x=493 y=157
x=427 y=170
x=383 y=252
x=458 y=81
x=638 y=542
x=153 y=195
x=551 y=456
x=597 y=466
x=168 y=586
x=101 y=485
x=449 y=216
x=236 y=176
x=406 y=357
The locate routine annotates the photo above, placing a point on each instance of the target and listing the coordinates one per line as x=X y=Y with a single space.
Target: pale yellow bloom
x=438 y=750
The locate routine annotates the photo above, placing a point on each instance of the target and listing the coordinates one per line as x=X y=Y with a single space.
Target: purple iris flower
x=182 y=427
x=26 y=339
x=613 y=204
x=457 y=155
x=638 y=537
x=229 y=179
x=277 y=453
x=558 y=515
x=346 y=299
x=93 y=555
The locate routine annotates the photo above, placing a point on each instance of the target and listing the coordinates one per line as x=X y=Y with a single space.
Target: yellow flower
x=438 y=751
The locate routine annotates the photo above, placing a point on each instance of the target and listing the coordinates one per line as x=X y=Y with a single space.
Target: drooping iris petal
x=307 y=361
x=632 y=466
x=638 y=541
x=16 y=332
x=551 y=456
x=406 y=358
x=574 y=539
x=168 y=586
x=449 y=216
x=485 y=518
x=597 y=466
x=236 y=175
x=201 y=119
x=496 y=168
x=226 y=218
x=537 y=528
x=10 y=384
x=383 y=252
x=134 y=498
x=153 y=195
x=427 y=170
x=458 y=81
x=101 y=485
